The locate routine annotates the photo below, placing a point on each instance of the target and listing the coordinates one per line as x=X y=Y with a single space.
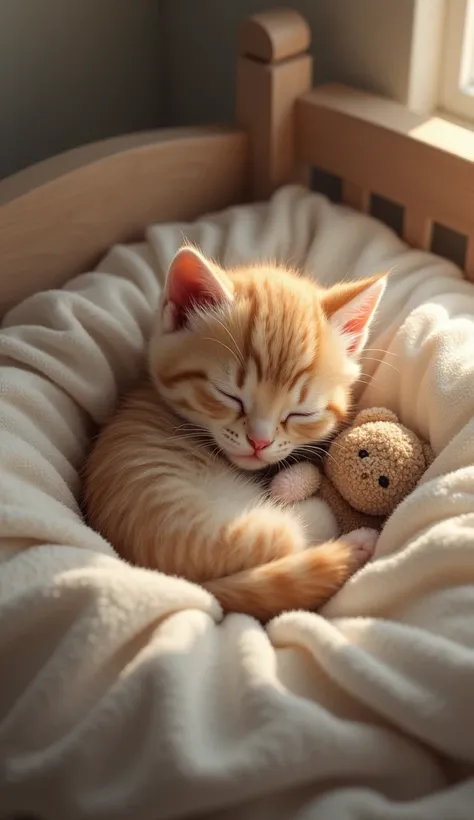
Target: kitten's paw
x=296 y=483
x=362 y=543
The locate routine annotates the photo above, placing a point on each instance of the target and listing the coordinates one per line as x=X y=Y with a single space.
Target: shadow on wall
x=365 y=43
x=76 y=71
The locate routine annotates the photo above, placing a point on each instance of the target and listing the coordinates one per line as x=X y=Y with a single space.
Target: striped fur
x=170 y=481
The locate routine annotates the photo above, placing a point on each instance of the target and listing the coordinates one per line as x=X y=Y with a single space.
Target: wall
x=362 y=42
x=73 y=71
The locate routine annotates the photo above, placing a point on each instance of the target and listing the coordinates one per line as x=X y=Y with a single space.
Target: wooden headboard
x=58 y=217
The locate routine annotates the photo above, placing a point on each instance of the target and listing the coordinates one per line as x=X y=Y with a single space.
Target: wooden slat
x=355 y=196
x=59 y=217
x=417 y=229
x=427 y=165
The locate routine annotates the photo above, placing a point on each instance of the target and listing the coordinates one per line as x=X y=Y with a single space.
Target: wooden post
x=273 y=70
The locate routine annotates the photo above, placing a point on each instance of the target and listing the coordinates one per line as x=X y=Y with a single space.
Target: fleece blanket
x=125 y=693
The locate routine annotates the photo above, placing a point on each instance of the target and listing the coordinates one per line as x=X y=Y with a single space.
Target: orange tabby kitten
x=245 y=366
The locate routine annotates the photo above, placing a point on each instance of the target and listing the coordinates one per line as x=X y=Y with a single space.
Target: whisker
x=381 y=361
x=189 y=432
x=332 y=444
x=215 y=453
x=193 y=426
x=376 y=388
x=189 y=428
x=368 y=376
x=312 y=448
x=319 y=451
x=239 y=352
x=378 y=350
x=177 y=439
x=196 y=435
x=218 y=342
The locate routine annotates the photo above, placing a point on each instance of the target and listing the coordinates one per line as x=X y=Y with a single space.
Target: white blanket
x=124 y=694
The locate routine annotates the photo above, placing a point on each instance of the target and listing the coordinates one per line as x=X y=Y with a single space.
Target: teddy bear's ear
x=428 y=453
x=374 y=414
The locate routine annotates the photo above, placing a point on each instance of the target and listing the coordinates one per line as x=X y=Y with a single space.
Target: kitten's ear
x=351 y=307
x=191 y=283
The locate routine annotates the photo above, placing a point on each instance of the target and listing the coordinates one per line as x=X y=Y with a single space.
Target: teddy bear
x=369 y=468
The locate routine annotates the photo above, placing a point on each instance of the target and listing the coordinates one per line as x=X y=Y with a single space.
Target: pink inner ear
x=355 y=317
x=191 y=282
x=188 y=284
x=355 y=328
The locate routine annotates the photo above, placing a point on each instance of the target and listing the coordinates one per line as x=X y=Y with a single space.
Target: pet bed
x=124 y=693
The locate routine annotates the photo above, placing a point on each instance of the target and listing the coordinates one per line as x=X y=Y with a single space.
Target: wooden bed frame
x=58 y=217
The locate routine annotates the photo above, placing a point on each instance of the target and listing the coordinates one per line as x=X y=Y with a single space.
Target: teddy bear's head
x=376 y=462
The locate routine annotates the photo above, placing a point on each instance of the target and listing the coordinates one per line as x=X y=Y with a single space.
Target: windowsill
x=439 y=130
x=448 y=134
x=467 y=125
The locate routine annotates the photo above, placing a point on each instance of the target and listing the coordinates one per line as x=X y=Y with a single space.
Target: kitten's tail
x=303 y=580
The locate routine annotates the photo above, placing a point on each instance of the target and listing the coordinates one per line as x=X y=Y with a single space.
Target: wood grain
x=59 y=217
x=272 y=73
x=423 y=163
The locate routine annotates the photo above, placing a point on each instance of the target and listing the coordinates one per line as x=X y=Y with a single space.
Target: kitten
x=245 y=366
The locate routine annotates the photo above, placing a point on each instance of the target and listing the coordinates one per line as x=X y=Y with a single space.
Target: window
x=456 y=82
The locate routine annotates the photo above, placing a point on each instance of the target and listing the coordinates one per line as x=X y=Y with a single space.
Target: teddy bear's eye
x=383 y=481
x=363 y=454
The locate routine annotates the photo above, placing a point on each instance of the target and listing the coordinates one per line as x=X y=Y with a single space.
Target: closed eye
x=312 y=415
x=238 y=402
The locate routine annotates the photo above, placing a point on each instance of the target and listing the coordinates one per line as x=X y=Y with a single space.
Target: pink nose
x=259 y=443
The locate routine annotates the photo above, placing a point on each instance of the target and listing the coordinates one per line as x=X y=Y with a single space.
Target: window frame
x=456 y=76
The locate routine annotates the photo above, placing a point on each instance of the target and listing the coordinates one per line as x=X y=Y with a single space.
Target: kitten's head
x=260 y=357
